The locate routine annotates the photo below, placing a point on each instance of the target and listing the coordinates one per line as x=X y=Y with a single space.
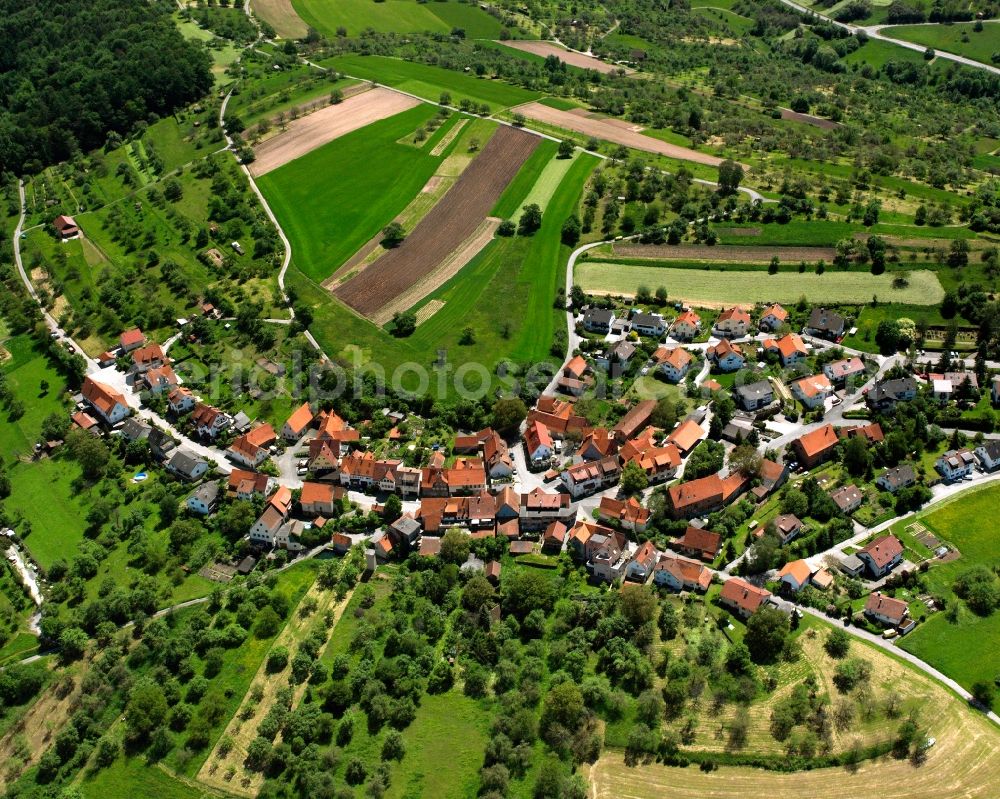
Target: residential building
x=872 y=432
x=956 y=464
x=626 y=513
x=989 y=455
x=686 y=326
x=204 y=499
x=634 y=421
x=742 y=597
x=787 y=526
x=186 y=465
x=898 y=477
x=772 y=318
x=247 y=485
x=790 y=349
x=848 y=498
x=538 y=509
x=180 y=400
x=107 y=403
x=649 y=324
x=813 y=391
x=318 y=499
x=557 y=415
x=580 y=535
x=822 y=579
x=250 y=449
x=754 y=396
x=732 y=323
x=208 y=421
x=537 y=445
x=161 y=445
x=554 y=537
x=615 y=359
x=134 y=429
x=882 y=555
x=686 y=436
x=131 y=339
x=597 y=443
x=704 y=495
x=297 y=423
x=772 y=477
x=659 y=463
x=265 y=530
x=886 y=393
x=698 y=543
x=995 y=391
x=816 y=447
x=824 y=323
x=727 y=357
x=497 y=460
x=591 y=476
x=642 y=564
x=577 y=368
x=886 y=610
x=794 y=576
x=66 y=227
x=144 y=358
x=598 y=320
x=160 y=379
x=738 y=429
x=674 y=362
x=607 y=555
x=680 y=574
x=839 y=372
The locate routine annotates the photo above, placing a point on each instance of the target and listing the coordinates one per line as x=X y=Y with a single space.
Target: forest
x=71 y=71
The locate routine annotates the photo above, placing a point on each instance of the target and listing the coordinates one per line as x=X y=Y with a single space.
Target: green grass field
x=710 y=286
x=329 y=207
x=397 y=16
x=547 y=184
x=869 y=318
x=25 y=371
x=133 y=776
x=729 y=22
x=429 y=82
x=818 y=233
x=951 y=38
x=965 y=650
x=877 y=54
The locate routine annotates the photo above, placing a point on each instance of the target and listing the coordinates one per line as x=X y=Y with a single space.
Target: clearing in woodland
x=444 y=229
x=310 y=132
x=281 y=16
x=714 y=286
x=581 y=60
x=613 y=130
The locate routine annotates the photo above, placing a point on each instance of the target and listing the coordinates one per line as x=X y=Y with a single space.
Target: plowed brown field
x=451 y=222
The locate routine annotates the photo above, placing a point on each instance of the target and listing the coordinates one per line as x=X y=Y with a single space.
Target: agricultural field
x=282 y=17
x=819 y=233
x=723 y=253
x=545 y=49
x=396 y=16
x=960 y=647
x=308 y=195
x=709 y=287
x=310 y=132
x=430 y=82
x=960 y=38
x=613 y=130
x=453 y=220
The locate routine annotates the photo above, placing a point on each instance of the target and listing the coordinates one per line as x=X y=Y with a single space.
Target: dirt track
x=580 y=60
x=610 y=131
x=306 y=134
x=281 y=16
x=723 y=252
x=445 y=227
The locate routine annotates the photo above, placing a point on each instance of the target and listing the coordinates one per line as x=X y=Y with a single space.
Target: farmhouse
x=898 y=477
x=885 y=394
x=885 y=610
x=628 y=513
x=704 y=495
x=598 y=320
x=754 y=396
x=66 y=227
x=827 y=324
x=297 y=423
x=107 y=403
x=698 y=543
x=794 y=576
x=727 y=357
x=686 y=326
x=204 y=499
x=674 y=362
x=882 y=555
x=848 y=498
x=732 y=323
x=742 y=597
x=557 y=415
x=772 y=318
x=318 y=499
x=537 y=444
x=591 y=476
x=686 y=436
x=641 y=565
x=813 y=391
x=634 y=421
x=956 y=464
x=839 y=372
x=680 y=574
x=648 y=324
x=813 y=448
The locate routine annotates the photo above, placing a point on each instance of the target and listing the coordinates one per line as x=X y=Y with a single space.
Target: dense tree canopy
x=71 y=71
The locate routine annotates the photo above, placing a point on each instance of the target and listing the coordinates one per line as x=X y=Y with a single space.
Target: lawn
x=965 y=649
x=25 y=371
x=709 y=286
x=869 y=318
x=429 y=82
x=396 y=16
x=329 y=207
x=959 y=38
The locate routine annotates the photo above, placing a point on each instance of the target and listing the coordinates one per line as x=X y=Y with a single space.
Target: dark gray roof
x=134 y=429
x=207 y=493
x=184 y=462
x=899 y=476
x=825 y=320
x=755 y=391
x=992 y=448
x=892 y=389
x=602 y=316
x=643 y=319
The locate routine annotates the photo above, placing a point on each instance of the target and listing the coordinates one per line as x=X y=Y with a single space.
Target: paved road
x=875 y=32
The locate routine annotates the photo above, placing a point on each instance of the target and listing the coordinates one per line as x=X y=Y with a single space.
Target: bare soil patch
x=668 y=252
x=445 y=227
x=449 y=137
x=431 y=308
x=809 y=119
x=281 y=16
x=545 y=49
x=306 y=134
x=738 y=231
x=603 y=129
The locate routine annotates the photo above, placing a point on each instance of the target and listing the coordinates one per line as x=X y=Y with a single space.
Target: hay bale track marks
x=451 y=222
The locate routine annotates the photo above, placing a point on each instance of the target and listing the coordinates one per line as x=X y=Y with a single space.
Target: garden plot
x=308 y=133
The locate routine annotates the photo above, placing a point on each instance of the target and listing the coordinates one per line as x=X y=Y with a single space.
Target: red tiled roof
x=704 y=541
x=883 y=549
x=316 y=492
x=798 y=569
x=102 y=397
x=892 y=609
x=813 y=385
x=743 y=594
x=818 y=441
x=131 y=337
x=300 y=419
x=686 y=435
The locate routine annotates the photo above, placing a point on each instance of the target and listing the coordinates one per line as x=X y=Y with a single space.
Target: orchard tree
x=730 y=176
x=767 y=630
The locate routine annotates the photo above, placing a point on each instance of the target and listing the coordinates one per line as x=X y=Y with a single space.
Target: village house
x=538 y=509
x=686 y=436
x=727 y=357
x=989 y=455
x=250 y=449
x=581 y=533
x=824 y=323
x=134 y=429
x=956 y=464
x=204 y=499
x=772 y=318
x=160 y=379
x=772 y=476
x=186 y=465
x=607 y=555
x=680 y=574
x=573 y=387
x=318 y=499
x=704 y=495
x=787 y=526
x=794 y=576
x=642 y=563
x=659 y=463
x=615 y=359
x=697 y=542
x=816 y=447
x=995 y=391
x=208 y=421
x=557 y=415
x=598 y=443
x=885 y=394
x=648 y=324
x=872 y=432
x=323 y=460
x=130 y=340
x=823 y=579
x=247 y=485
x=497 y=460
x=881 y=556
x=180 y=400
x=812 y=391
x=66 y=227
x=947 y=386
x=839 y=372
x=634 y=421
x=147 y=357
x=898 y=477
x=790 y=349
x=743 y=598
x=161 y=445
x=554 y=537
x=537 y=445
x=732 y=323
x=405 y=531
x=265 y=531
x=738 y=429
x=107 y=403
x=590 y=477
x=686 y=326
x=885 y=610
x=754 y=396
x=848 y=498
x=674 y=362
x=598 y=320
x=577 y=368
x=626 y=513
x=297 y=423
